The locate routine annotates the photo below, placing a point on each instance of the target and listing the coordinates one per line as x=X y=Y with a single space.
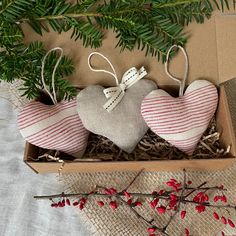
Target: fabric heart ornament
x=56 y=127
x=181 y=120
x=115 y=112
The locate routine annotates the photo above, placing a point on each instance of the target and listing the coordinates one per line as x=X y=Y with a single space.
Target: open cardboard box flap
x=212 y=56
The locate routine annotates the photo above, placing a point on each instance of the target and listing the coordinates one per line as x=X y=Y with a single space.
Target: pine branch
x=10 y=34
x=24 y=63
x=10 y=10
x=89 y=34
x=150 y=25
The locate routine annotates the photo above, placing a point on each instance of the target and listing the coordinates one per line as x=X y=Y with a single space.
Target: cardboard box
x=212 y=56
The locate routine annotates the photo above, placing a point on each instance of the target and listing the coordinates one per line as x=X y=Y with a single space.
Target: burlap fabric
x=15 y=95
x=104 y=221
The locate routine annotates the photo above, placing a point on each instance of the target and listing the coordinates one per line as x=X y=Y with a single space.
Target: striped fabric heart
x=181 y=120
x=56 y=127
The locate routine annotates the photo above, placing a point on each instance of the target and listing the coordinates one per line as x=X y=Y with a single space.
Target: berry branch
x=164 y=201
x=179 y=202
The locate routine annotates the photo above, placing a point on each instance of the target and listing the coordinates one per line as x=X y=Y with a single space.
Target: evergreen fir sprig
x=24 y=63
x=163 y=20
x=150 y=25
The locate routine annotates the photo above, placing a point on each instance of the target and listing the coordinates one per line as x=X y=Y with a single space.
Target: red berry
x=200 y=194
x=83 y=201
x=108 y=192
x=153 y=203
x=113 y=191
x=161 y=210
x=224 y=221
x=127 y=194
x=100 y=203
x=196 y=199
x=138 y=204
x=68 y=202
x=222 y=233
x=189 y=182
x=200 y=208
x=151 y=230
x=175 y=188
x=182 y=214
x=161 y=192
x=204 y=198
x=53 y=205
x=60 y=204
x=230 y=222
x=216 y=198
x=223 y=198
x=216 y=216
x=170 y=184
x=81 y=206
x=129 y=202
x=63 y=202
x=186 y=232
x=173 y=197
x=152 y=235
x=172 y=203
x=113 y=205
x=75 y=203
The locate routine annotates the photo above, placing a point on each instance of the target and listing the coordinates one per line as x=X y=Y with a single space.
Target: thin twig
x=149 y=222
x=139 y=173
x=61 y=17
x=165 y=195
x=204 y=183
x=184 y=201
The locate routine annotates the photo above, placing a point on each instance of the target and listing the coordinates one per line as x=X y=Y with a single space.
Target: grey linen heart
x=124 y=126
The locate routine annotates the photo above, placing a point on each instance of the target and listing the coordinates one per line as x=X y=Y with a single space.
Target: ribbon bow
x=115 y=94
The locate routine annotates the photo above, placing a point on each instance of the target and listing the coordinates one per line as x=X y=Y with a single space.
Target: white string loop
x=53 y=96
x=100 y=70
x=115 y=94
x=183 y=81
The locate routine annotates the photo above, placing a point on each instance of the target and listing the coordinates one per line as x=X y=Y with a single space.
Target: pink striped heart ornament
x=56 y=127
x=181 y=120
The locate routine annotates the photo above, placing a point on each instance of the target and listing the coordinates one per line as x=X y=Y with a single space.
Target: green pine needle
x=149 y=25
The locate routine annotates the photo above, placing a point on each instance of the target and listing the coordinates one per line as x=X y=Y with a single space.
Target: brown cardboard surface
x=172 y=165
x=224 y=123
x=226 y=46
x=201 y=49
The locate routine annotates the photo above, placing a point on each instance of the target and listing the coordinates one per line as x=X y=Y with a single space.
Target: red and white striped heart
x=56 y=127
x=182 y=120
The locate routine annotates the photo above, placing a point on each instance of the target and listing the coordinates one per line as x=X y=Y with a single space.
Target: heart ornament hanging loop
x=181 y=82
x=115 y=94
